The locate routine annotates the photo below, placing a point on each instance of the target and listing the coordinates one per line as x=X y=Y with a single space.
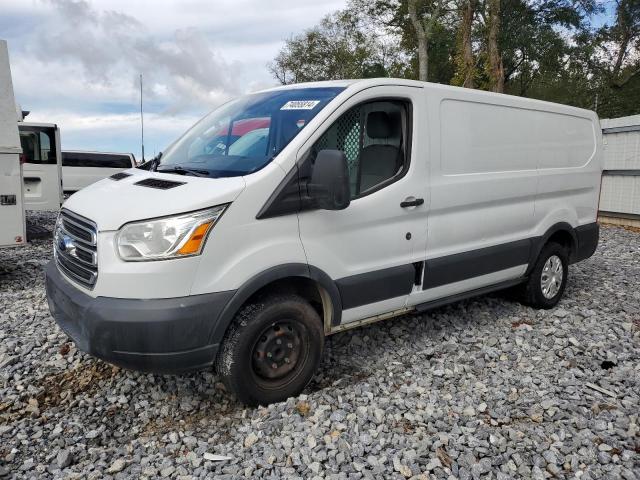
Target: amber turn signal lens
x=192 y=245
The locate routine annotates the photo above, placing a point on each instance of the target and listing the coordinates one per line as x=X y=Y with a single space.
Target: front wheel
x=272 y=350
x=548 y=278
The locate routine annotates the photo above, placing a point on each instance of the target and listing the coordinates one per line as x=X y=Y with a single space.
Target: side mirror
x=329 y=186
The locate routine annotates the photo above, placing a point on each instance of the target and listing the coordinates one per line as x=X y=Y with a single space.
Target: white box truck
x=12 y=216
x=335 y=205
x=30 y=163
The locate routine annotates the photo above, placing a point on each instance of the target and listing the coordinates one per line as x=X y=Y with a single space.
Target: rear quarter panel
x=568 y=190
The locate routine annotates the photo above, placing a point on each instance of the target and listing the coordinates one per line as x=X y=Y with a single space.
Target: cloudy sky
x=77 y=62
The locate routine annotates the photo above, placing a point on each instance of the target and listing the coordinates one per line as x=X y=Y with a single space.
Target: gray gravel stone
x=64 y=458
x=482 y=389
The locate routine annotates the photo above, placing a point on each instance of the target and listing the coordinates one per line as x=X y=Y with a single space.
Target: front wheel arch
x=292 y=273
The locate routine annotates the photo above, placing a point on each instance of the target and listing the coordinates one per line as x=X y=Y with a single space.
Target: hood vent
x=119 y=176
x=158 y=183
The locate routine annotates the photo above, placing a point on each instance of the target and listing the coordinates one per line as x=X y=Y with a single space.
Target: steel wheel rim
x=277 y=351
x=552 y=276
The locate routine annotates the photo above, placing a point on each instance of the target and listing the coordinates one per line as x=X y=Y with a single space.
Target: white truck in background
x=12 y=217
x=41 y=165
x=30 y=163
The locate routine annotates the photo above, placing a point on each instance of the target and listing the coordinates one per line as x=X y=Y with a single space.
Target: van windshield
x=242 y=136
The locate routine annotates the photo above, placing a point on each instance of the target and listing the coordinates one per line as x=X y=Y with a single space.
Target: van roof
x=371 y=82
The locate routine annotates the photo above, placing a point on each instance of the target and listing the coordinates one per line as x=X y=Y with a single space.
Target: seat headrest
x=379 y=125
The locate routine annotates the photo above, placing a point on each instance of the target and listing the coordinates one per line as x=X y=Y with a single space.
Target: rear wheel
x=271 y=350
x=548 y=278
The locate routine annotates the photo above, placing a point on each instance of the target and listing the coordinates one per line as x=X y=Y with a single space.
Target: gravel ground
x=485 y=388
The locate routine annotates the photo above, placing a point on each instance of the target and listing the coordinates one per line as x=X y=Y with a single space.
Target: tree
x=418 y=28
x=465 y=60
x=424 y=24
x=337 y=48
x=496 y=67
x=546 y=49
x=622 y=42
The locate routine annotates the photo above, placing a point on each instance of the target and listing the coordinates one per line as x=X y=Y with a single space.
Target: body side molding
x=465 y=265
x=371 y=287
x=440 y=302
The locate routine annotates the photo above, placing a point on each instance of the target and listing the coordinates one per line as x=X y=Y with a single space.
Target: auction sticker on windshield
x=300 y=105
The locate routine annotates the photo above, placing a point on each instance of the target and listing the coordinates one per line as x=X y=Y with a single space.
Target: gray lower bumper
x=162 y=335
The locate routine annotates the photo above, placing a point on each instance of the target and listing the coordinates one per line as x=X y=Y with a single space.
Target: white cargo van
x=80 y=168
x=335 y=205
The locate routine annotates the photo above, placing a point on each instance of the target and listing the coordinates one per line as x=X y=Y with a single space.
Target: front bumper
x=160 y=335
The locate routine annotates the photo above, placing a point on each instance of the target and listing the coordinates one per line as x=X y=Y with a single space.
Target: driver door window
x=373 y=138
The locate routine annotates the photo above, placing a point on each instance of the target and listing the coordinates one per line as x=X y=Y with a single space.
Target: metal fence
x=620 y=196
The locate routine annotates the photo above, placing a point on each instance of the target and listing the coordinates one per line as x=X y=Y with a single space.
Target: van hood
x=111 y=203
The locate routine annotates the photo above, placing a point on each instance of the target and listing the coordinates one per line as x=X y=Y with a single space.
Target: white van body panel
x=335 y=238
x=77 y=177
x=128 y=202
x=354 y=314
x=144 y=280
x=371 y=234
x=12 y=217
x=240 y=246
x=509 y=169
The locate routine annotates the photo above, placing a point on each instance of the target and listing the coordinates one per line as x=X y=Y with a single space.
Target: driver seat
x=379 y=162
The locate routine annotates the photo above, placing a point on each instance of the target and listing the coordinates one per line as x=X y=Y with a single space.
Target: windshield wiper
x=184 y=171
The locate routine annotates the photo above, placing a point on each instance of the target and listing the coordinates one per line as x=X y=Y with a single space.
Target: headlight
x=169 y=237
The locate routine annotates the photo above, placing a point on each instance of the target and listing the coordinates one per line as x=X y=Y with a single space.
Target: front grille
x=75 y=248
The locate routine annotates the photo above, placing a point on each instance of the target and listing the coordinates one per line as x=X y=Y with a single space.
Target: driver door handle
x=411 y=203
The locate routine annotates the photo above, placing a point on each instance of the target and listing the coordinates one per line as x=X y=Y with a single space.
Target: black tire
x=281 y=330
x=533 y=294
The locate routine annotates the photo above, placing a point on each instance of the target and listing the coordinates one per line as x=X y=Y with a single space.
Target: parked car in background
x=80 y=169
x=356 y=201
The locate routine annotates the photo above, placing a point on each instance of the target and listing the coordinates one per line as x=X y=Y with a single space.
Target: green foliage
x=338 y=48
x=549 y=48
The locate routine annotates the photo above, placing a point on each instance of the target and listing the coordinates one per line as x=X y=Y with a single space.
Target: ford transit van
x=305 y=210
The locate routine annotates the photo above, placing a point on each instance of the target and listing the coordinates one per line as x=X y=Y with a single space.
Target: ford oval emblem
x=66 y=245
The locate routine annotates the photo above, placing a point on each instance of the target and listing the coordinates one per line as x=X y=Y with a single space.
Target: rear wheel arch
x=562 y=233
